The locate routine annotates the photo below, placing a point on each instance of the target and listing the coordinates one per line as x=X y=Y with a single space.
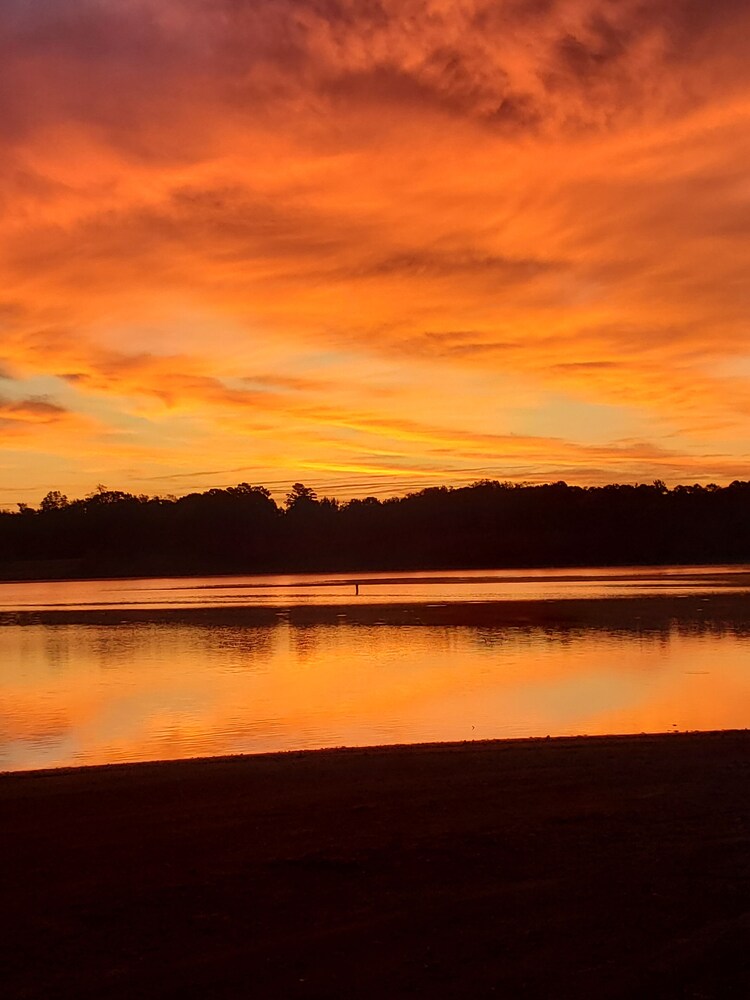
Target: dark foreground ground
x=602 y=867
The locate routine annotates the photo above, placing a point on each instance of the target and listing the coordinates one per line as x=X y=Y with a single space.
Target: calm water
x=102 y=671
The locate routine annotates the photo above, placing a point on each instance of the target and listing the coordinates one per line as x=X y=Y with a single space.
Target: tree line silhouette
x=489 y=524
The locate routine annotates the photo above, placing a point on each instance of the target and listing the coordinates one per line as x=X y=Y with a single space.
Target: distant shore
x=600 y=866
x=486 y=524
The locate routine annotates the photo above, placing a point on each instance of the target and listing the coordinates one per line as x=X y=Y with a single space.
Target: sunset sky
x=372 y=245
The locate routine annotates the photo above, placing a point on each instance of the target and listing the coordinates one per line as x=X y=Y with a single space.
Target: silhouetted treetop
x=299 y=496
x=54 y=500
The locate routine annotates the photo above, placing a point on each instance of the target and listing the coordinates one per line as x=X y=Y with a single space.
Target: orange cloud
x=400 y=234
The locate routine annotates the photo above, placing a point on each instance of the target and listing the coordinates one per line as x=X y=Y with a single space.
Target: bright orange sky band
x=372 y=245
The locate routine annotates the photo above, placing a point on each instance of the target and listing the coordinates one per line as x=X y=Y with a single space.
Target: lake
x=123 y=670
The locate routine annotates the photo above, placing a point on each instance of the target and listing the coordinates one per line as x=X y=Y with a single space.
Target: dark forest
x=489 y=524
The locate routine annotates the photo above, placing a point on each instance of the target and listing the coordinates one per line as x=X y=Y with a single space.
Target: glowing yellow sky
x=372 y=244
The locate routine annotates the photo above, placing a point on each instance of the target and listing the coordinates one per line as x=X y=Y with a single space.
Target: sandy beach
x=594 y=867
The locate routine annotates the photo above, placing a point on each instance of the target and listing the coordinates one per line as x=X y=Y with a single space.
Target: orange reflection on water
x=91 y=693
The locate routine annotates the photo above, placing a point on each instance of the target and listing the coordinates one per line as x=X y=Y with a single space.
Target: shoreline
x=608 y=866
x=368 y=750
